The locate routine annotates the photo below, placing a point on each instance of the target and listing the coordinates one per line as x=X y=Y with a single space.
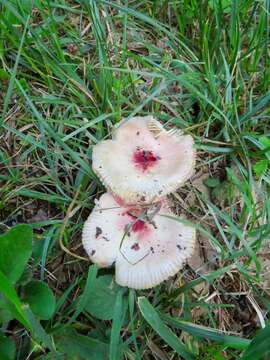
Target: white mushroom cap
x=100 y=232
x=153 y=248
x=144 y=162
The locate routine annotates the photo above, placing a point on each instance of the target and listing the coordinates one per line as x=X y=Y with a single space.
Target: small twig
x=63 y=247
x=144 y=216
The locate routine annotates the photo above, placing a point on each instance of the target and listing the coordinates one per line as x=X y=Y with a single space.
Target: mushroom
x=146 y=246
x=144 y=162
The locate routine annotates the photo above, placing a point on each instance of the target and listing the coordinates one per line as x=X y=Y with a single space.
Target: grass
x=69 y=71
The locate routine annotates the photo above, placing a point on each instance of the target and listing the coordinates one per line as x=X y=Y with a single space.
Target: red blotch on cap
x=144 y=159
x=139 y=226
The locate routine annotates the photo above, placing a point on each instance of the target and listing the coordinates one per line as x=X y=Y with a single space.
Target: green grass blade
x=153 y=22
x=14 y=71
x=37 y=330
x=116 y=327
x=53 y=134
x=92 y=273
x=152 y=317
x=261 y=103
x=131 y=306
x=204 y=332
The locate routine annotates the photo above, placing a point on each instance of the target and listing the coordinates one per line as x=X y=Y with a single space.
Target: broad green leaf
x=16 y=249
x=260 y=346
x=8 y=291
x=102 y=299
x=6 y=314
x=261 y=166
x=77 y=346
x=265 y=141
x=4 y=75
x=152 y=317
x=225 y=5
x=224 y=192
x=40 y=299
x=211 y=182
x=7 y=348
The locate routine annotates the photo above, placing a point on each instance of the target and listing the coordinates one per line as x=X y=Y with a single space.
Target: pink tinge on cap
x=146 y=246
x=144 y=162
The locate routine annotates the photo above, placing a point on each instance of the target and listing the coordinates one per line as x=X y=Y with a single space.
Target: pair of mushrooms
x=130 y=225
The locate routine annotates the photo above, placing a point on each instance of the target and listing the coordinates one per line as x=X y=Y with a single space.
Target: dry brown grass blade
x=69 y=210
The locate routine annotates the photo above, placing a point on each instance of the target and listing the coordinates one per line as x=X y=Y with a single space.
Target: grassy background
x=69 y=71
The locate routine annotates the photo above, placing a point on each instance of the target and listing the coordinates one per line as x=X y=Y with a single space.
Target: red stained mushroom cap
x=146 y=246
x=144 y=162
